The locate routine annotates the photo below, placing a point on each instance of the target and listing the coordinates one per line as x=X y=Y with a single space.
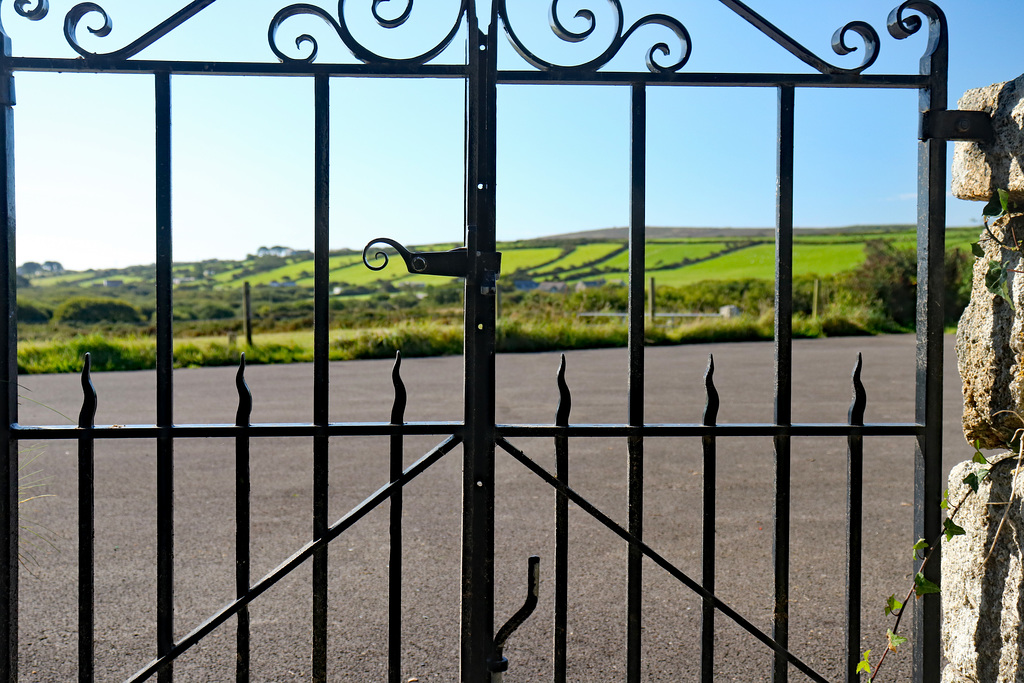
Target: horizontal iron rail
x=719 y=430
x=194 y=68
x=657 y=558
x=725 y=80
x=24 y=432
x=229 y=431
x=561 y=76
x=300 y=556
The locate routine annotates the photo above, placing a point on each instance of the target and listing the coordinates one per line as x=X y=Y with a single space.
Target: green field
x=671 y=261
x=581 y=255
x=374 y=313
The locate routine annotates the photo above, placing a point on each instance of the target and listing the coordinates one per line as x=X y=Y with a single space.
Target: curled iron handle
x=498 y=663
x=453 y=263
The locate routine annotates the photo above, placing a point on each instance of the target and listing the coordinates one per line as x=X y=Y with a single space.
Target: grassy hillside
x=844 y=283
x=730 y=254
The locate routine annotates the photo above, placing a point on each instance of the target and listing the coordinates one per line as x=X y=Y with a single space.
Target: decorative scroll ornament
x=712 y=403
x=26 y=9
x=87 y=416
x=244 y=411
x=622 y=35
x=79 y=12
x=855 y=415
x=564 y=397
x=340 y=26
x=839 y=40
x=401 y=395
x=903 y=26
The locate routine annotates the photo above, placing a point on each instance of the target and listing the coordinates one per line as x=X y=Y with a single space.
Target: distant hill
x=721 y=233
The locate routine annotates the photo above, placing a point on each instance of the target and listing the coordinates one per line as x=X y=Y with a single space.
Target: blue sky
x=243 y=146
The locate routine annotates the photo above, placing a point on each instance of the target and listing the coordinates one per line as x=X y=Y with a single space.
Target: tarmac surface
x=361 y=391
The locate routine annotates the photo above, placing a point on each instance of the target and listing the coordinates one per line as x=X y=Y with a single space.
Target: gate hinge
x=7 y=98
x=452 y=263
x=953 y=124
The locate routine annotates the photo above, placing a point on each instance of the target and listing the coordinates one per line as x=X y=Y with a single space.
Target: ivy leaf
x=1014 y=444
x=864 y=666
x=993 y=208
x=973 y=480
x=920 y=545
x=894 y=640
x=995 y=276
x=995 y=282
x=945 y=500
x=1004 y=200
x=977 y=250
x=951 y=529
x=978 y=457
x=892 y=605
x=923 y=586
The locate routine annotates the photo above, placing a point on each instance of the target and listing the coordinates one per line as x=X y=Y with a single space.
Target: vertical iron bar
x=478 y=449
x=9 y=379
x=164 y=377
x=395 y=560
x=637 y=250
x=783 y=375
x=854 y=528
x=561 y=530
x=242 y=521
x=931 y=224
x=321 y=379
x=709 y=447
x=86 y=528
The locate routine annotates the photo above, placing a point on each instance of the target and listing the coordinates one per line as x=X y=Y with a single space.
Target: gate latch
x=452 y=263
x=953 y=124
x=497 y=662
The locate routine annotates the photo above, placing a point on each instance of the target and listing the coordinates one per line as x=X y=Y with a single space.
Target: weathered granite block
x=983 y=602
x=979 y=169
x=990 y=343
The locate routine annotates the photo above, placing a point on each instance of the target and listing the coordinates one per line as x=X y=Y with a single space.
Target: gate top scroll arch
x=661 y=58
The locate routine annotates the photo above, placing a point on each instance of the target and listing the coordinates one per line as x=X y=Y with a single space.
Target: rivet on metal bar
x=956 y=125
x=498 y=663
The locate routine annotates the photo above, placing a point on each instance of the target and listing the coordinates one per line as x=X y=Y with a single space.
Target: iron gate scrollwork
x=479 y=263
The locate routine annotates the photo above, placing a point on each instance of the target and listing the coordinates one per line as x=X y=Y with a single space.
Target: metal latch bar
x=953 y=124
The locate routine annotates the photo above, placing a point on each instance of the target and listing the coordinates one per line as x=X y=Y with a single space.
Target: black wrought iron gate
x=479 y=264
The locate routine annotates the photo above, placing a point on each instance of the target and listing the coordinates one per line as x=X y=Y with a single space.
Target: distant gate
x=479 y=263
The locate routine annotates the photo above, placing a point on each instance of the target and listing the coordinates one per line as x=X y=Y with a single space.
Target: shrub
x=214 y=311
x=83 y=309
x=32 y=312
x=887 y=280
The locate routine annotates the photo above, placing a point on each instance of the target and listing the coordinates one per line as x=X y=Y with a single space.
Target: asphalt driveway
x=361 y=390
